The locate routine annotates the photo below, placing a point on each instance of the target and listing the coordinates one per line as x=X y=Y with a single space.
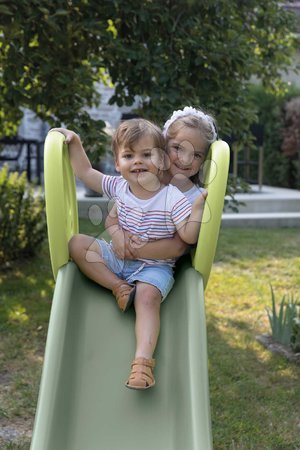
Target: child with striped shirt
x=147 y=208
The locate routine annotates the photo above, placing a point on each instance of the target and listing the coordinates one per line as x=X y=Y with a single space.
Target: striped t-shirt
x=151 y=219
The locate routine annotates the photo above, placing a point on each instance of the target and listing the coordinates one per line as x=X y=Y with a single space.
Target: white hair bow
x=188 y=111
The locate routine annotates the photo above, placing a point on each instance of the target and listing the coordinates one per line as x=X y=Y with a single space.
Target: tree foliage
x=169 y=54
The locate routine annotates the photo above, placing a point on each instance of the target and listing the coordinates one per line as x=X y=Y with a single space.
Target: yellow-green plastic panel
x=61 y=202
x=215 y=181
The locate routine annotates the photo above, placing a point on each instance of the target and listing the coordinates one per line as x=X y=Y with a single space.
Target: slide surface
x=83 y=402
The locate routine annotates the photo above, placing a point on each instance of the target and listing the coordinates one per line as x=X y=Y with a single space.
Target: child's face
x=187 y=152
x=140 y=163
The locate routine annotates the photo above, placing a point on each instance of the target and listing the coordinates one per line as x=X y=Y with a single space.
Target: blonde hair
x=131 y=131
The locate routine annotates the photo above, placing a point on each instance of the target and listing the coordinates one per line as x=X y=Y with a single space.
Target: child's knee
x=148 y=295
x=78 y=245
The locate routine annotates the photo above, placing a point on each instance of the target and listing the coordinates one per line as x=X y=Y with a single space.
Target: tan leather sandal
x=141 y=376
x=124 y=294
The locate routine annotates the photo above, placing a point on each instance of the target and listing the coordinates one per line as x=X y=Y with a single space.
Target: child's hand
x=121 y=242
x=69 y=135
x=136 y=242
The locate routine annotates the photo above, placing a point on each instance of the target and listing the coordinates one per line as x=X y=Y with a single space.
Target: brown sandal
x=141 y=376
x=124 y=294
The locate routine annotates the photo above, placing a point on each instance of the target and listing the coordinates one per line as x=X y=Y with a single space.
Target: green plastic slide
x=83 y=402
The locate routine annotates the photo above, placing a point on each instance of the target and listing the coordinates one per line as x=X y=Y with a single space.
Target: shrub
x=291 y=138
x=291 y=133
x=282 y=322
x=295 y=336
x=22 y=217
x=281 y=128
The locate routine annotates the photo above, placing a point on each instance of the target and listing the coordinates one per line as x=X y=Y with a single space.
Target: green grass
x=255 y=395
x=25 y=300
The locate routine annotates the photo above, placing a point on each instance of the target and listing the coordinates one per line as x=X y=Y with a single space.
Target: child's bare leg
x=86 y=253
x=147 y=325
x=147 y=308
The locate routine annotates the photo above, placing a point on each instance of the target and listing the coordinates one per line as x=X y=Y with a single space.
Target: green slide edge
x=215 y=182
x=61 y=202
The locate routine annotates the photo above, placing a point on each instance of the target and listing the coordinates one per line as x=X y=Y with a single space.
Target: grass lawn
x=255 y=395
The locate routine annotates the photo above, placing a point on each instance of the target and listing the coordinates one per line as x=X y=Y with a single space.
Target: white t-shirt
x=193 y=193
x=150 y=219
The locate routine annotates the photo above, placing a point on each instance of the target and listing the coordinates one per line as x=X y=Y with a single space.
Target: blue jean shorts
x=159 y=275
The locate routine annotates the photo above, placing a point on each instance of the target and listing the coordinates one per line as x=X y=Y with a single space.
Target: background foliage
x=22 y=217
x=281 y=134
x=179 y=52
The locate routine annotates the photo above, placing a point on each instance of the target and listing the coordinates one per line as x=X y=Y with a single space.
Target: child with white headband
x=189 y=133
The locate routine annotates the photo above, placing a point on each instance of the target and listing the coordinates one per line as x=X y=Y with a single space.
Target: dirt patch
x=5 y=377
x=16 y=430
x=267 y=341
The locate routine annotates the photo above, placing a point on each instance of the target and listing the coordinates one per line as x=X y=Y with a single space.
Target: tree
x=199 y=52
x=50 y=63
x=170 y=54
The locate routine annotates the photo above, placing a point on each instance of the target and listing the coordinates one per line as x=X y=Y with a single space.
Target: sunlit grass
x=17 y=313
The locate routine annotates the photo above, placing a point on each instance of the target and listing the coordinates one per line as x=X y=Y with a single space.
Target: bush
x=291 y=138
x=22 y=217
x=281 y=130
x=295 y=335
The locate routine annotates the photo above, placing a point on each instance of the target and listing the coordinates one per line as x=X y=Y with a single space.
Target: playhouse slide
x=83 y=402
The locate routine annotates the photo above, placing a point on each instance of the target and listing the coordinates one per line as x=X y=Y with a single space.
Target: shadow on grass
x=255 y=244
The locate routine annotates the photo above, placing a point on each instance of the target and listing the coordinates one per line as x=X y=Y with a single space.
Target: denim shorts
x=159 y=275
